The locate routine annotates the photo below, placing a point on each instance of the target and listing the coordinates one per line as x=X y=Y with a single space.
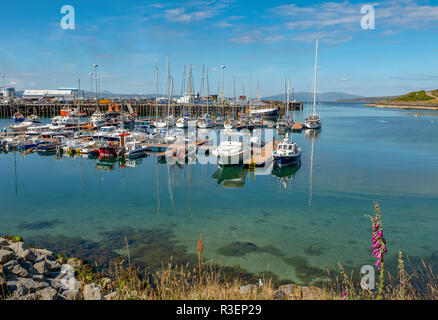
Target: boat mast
x=156 y=96
x=288 y=94
x=208 y=94
x=285 y=96
x=315 y=78
x=183 y=90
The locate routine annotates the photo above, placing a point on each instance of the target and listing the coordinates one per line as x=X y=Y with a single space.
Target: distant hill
x=308 y=96
x=366 y=99
x=413 y=100
x=417 y=96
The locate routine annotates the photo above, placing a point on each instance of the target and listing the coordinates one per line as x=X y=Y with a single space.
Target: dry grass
x=180 y=283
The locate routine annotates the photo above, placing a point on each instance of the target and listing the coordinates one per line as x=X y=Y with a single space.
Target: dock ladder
x=251 y=167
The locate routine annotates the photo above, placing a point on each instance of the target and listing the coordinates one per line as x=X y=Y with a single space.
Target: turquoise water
x=293 y=226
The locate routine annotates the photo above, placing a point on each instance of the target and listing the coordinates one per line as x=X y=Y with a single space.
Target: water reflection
x=231 y=176
x=286 y=174
x=311 y=134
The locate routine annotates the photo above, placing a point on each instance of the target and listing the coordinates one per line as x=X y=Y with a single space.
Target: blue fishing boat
x=288 y=153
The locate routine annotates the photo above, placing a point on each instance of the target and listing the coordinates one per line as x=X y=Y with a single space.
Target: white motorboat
x=232 y=151
x=206 y=122
x=135 y=149
x=31 y=121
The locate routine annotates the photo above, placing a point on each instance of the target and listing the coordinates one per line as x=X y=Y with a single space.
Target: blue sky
x=269 y=39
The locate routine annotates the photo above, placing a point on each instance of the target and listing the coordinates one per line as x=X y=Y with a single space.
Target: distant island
x=422 y=100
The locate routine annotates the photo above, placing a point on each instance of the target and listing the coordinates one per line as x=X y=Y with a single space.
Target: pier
x=141 y=108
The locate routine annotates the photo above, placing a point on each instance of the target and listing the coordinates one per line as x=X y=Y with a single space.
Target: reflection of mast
x=170 y=186
x=158 y=192
x=15 y=173
x=100 y=184
x=190 y=187
x=311 y=173
x=82 y=180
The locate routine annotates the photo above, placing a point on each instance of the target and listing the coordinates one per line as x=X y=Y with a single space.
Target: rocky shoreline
x=402 y=106
x=28 y=273
x=37 y=274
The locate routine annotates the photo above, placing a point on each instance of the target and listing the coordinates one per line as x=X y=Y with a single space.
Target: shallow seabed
x=294 y=226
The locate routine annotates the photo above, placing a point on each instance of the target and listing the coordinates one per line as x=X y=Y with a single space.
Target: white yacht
x=313 y=121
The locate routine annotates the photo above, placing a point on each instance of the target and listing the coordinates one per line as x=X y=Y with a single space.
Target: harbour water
x=294 y=226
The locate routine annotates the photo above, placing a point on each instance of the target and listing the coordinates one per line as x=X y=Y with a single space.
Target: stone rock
x=92 y=292
x=110 y=296
x=42 y=267
x=3 y=286
x=44 y=253
x=6 y=256
x=24 y=286
x=279 y=295
x=76 y=262
x=66 y=279
x=38 y=277
x=47 y=294
x=54 y=274
x=13 y=269
x=19 y=248
x=45 y=267
x=106 y=283
x=294 y=291
x=29 y=255
x=27 y=265
x=72 y=294
x=30 y=296
x=3 y=242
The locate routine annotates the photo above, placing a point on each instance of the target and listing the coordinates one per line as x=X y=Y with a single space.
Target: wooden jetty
x=298 y=126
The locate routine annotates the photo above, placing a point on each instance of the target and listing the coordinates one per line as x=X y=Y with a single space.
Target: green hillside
x=417 y=96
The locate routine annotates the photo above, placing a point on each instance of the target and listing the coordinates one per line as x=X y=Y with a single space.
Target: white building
x=189 y=98
x=8 y=93
x=60 y=94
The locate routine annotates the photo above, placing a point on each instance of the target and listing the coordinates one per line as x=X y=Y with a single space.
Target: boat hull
x=284 y=161
x=265 y=113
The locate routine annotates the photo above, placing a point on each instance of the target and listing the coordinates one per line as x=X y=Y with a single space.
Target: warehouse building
x=62 y=94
